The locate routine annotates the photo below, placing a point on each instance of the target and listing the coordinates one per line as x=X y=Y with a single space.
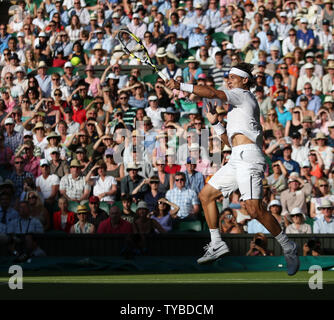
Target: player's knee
x=253 y=209
x=206 y=195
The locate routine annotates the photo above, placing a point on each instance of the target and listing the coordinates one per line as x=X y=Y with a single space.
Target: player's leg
x=223 y=182
x=256 y=210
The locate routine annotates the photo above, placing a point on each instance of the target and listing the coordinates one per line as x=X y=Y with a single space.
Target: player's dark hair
x=248 y=68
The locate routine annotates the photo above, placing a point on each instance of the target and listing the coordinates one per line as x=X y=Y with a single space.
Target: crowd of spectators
x=87 y=145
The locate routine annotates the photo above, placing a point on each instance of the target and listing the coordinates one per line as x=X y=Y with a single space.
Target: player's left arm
x=201 y=91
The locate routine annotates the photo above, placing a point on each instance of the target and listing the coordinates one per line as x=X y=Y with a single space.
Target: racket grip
x=162 y=76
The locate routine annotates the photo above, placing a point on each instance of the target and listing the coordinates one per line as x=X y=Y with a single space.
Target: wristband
x=187 y=87
x=219 y=129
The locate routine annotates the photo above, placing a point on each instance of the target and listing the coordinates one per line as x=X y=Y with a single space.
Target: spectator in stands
x=278 y=180
x=24 y=224
x=164 y=214
x=63 y=220
x=82 y=226
x=298 y=225
x=194 y=179
x=325 y=223
x=7 y=212
x=114 y=224
x=228 y=224
x=132 y=180
x=97 y=215
x=183 y=197
x=296 y=195
x=73 y=186
x=258 y=246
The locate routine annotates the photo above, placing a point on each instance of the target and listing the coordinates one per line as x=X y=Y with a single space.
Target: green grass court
x=173 y=286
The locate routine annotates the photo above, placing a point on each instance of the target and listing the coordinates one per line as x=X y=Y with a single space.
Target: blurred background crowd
x=93 y=142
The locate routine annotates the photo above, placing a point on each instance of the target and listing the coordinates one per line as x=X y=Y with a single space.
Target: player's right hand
x=172 y=84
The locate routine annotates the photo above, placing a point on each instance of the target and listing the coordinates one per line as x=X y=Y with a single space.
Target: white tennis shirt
x=244 y=118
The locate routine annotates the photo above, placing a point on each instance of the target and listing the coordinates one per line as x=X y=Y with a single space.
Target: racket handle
x=162 y=76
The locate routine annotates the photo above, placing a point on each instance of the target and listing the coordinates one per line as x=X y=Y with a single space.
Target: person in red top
x=63 y=220
x=171 y=167
x=115 y=224
x=79 y=113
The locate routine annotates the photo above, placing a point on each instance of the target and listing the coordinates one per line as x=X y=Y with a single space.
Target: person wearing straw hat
x=298 y=225
x=98 y=56
x=73 y=185
x=43 y=79
x=325 y=223
x=192 y=71
x=39 y=137
x=245 y=169
x=82 y=226
x=132 y=180
x=325 y=151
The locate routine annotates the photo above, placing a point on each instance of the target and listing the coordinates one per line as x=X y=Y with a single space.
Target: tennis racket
x=134 y=47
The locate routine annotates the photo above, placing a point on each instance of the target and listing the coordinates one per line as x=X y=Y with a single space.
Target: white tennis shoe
x=213 y=252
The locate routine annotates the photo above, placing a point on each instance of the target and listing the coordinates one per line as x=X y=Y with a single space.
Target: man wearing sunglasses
x=184 y=197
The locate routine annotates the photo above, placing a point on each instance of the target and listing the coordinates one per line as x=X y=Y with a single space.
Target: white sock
x=215 y=236
x=284 y=241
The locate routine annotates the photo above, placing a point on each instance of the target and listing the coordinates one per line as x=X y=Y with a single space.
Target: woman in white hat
x=323 y=192
x=298 y=225
x=191 y=73
x=325 y=151
x=99 y=56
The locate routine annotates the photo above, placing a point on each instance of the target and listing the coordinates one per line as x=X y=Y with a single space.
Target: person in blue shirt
x=283 y=115
x=289 y=164
x=305 y=36
x=194 y=179
x=314 y=101
x=4 y=37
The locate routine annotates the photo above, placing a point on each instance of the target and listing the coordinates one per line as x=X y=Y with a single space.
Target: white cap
x=194 y=146
x=43 y=162
x=309 y=65
x=42 y=34
x=68 y=64
x=306 y=163
x=274 y=48
x=20 y=34
x=9 y=121
x=20 y=69
x=330 y=56
x=295 y=211
x=283 y=14
x=274 y=202
x=309 y=54
x=230 y=46
x=27 y=133
x=303 y=20
x=112 y=76
x=135 y=15
x=152 y=98
x=115 y=15
x=332 y=89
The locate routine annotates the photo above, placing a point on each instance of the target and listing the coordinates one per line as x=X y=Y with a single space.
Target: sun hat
x=152 y=98
x=41 y=64
x=320 y=135
x=53 y=135
x=325 y=203
x=9 y=121
x=309 y=65
x=142 y=205
x=38 y=125
x=43 y=162
x=161 y=52
x=191 y=59
x=68 y=64
x=82 y=209
x=75 y=163
x=133 y=166
x=296 y=211
x=54 y=149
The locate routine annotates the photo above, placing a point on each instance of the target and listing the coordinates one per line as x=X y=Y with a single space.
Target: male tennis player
x=245 y=169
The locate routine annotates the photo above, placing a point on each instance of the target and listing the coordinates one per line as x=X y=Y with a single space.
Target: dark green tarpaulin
x=164 y=264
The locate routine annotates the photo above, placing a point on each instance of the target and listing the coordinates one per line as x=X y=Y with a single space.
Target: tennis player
x=245 y=169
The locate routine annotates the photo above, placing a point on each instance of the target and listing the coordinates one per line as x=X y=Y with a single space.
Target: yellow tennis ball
x=75 y=61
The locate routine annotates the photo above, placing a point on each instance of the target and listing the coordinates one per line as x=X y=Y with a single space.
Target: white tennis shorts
x=244 y=171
